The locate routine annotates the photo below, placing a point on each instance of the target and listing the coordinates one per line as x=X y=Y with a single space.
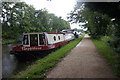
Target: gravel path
x=83 y=61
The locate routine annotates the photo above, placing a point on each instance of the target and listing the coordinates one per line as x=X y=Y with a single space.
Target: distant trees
x=20 y=17
x=79 y=30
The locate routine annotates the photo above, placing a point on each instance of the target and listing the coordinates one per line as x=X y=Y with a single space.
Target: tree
x=20 y=17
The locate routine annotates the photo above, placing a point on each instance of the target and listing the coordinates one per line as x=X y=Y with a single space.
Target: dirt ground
x=83 y=61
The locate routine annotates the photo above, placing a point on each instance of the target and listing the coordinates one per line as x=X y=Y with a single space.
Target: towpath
x=83 y=61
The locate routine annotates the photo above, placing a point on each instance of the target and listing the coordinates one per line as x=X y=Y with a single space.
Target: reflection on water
x=9 y=62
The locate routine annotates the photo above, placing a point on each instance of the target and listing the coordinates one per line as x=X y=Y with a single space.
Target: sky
x=57 y=7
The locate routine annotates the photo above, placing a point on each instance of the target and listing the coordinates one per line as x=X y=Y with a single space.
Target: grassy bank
x=109 y=54
x=41 y=66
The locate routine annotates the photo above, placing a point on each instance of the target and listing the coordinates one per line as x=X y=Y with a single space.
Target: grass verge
x=41 y=66
x=109 y=54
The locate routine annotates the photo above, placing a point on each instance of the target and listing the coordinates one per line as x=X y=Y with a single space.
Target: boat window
x=25 y=40
x=59 y=37
x=33 y=39
x=65 y=31
x=54 y=38
x=42 y=40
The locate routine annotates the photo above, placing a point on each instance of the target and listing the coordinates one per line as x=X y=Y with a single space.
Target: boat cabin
x=34 y=39
x=42 y=39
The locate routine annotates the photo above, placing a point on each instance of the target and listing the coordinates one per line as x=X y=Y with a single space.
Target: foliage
x=20 y=17
x=97 y=22
x=41 y=66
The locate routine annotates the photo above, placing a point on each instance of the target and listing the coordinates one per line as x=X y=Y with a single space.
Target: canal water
x=11 y=64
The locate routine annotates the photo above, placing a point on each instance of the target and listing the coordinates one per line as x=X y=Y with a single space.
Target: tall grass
x=109 y=54
x=41 y=66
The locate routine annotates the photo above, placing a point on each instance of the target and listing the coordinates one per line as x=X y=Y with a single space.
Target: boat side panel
x=37 y=48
